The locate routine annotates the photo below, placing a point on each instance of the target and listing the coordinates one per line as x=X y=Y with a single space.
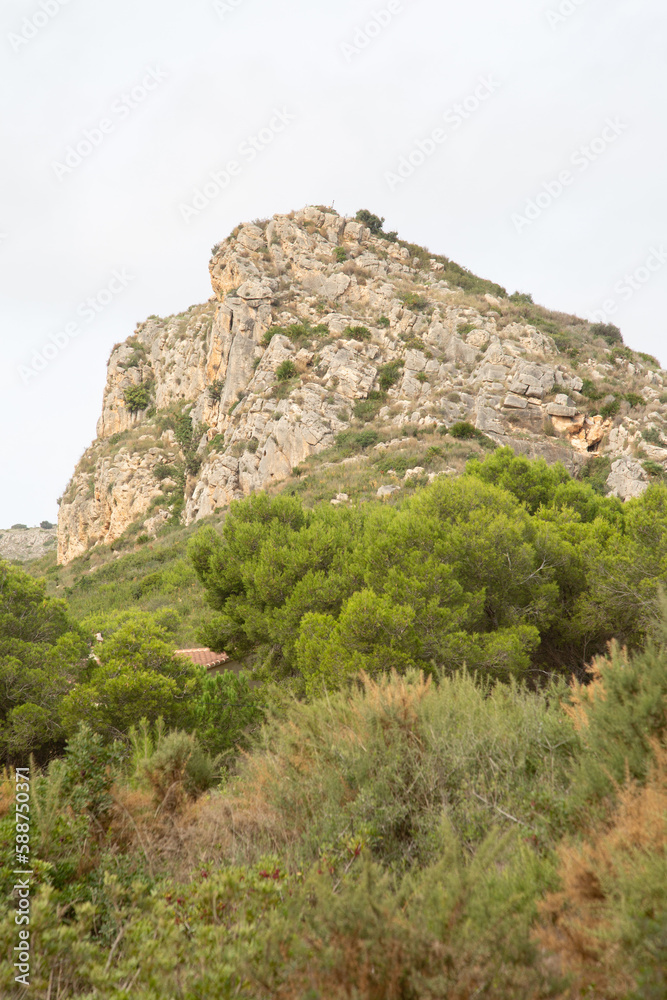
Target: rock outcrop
x=311 y=313
x=23 y=544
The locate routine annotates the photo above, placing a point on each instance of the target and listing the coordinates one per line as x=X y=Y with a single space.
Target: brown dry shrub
x=271 y=806
x=608 y=888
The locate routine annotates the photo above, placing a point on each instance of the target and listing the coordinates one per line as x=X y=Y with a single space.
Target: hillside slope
x=320 y=326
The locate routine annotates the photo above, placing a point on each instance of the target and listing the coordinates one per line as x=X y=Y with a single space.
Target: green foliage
x=215 y=391
x=286 y=370
x=384 y=321
x=521 y=297
x=372 y=222
x=46 y=525
x=19 y=527
x=611 y=408
x=608 y=332
x=465 y=328
x=355 y=441
x=465 y=431
x=653 y=436
x=411 y=300
x=87 y=772
x=340 y=253
x=389 y=374
x=164 y=471
x=135 y=675
x=297 y=332
x=367 y=409
x=654 y=469
x=42 y=653
x=356 y=333
x=590 y=390
x=226 y=709
x=619 y=715
x=138 y=397
x=649 y=359
x=634 y=399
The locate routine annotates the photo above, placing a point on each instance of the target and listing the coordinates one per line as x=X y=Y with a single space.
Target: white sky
x=219 y=75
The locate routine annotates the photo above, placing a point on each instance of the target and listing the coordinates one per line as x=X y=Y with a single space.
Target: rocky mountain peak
x=321 y=324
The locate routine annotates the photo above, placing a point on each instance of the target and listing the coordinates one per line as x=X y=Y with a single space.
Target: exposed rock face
x=22 y=544
x=627 y=479
x=216 y=364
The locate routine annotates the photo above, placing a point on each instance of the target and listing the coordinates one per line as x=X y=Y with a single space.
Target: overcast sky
x=524 y=139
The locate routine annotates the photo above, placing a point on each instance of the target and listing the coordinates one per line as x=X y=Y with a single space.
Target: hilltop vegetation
x=404 y=795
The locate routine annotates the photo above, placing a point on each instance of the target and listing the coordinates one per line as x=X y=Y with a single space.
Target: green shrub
x=356 y=333
x=215 y=391
x=610 y=409
x=389 y=374
x=590 y=390
x=225 y=711
x=286 y=370
x=46 y=525
x=372 y=222
x=340 y=253
x=421 y=377
x=653 y=436
x=465 y=328
x=523 y=297
x=19 y=527
x=634 y=399
x=654 y=469
x=608 y=332
x=414 y=301
x=367 y=409
x=463 y=430
x=357 y=440
x=384 y=321
x=138 y=397
x=649 y=359
x=164 y=471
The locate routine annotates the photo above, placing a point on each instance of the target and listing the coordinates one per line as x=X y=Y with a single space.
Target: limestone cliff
x=313 y=313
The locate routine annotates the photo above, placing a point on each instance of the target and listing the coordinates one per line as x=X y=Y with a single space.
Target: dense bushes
x=412 y=837
x=513 y=568
x=422 y=831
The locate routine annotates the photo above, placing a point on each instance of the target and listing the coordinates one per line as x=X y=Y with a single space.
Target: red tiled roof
x=203 y=657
